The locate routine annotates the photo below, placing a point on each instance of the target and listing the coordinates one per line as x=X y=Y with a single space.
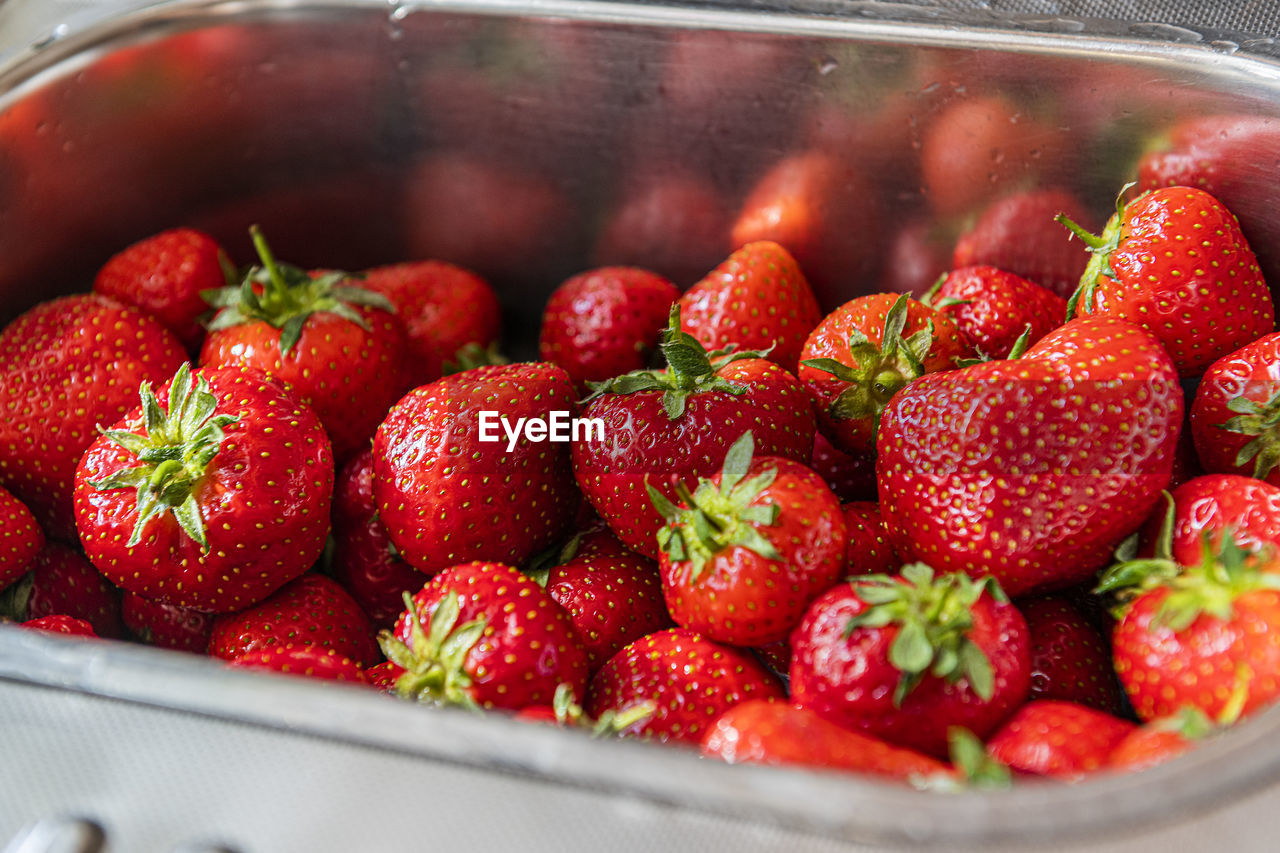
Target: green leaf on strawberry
x=433 y=661
x=1261 y=421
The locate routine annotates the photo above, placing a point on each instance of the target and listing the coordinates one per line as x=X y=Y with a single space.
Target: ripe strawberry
x=66 y=367
x=906 y=658
x=339 y=347
x=482 y=635
x=1070 y=659
x=301 y=659
x=167 y=626
x=994 y=309
x=916 y=256
x=851 y=477
x=605 y=322
x=444 y=308
x=1235 y=415
x=1174 y=262
x=164 y=276
x=869 y=551
x=1018 y=233
x=675 y=425
x=61 y=624
x=866 y=351
x=1063 y=740
x=742 y=556
x=446 y=496
x=690 y=679
x=62 y=581
x=998 y=468
x=384 y=676
x=22 y=538
x=757 y=299
x=212 y=499
x=1214 y=505
x=1161 y=740
x=312 y=610
x=564 y=711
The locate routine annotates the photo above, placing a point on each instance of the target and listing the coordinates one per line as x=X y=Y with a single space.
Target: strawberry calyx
x=933 y=616
x=691 y=369
x=881 y=371
x=1262 y=422
x=284 y=296
x=610 y=722
x=15 y=598
x=973 y=767
x=434 y=660
x=473 y=355
x=1212 y=585
x=175 y=449
x=1100 y=247
x=715 y=518
x=1129 y=575
x=1016 y=352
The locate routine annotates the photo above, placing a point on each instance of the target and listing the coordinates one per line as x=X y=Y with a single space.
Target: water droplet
x=827 y=64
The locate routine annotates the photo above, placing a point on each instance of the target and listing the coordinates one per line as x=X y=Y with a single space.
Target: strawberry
x=482 y=635
x=301 y=659
x=167 y=626
x=312 y=610
x=1213 y=505
x=384 y=675
x=906 y=658
x=994 y=309
x=757 y=299
x=675 y=425
x=869 y=551
x=62 y=581
x=164 y=276
x=1235 y=415
x=1161 y=740
x=444 y=309
x=690 y=679
x=446 y=496
x=998 y=468
x=863 y=353
x=212 y=499
x=22 y=538
x=564 y=711
x=1018 y=234
x=1174 y=262
x=605 y=322
x=88 y=349
x=916 y=256
x=1070 y=658
x=61 y=624
x=742 y=555
x=1062 y=740
x=852 y=477
x=338 y=346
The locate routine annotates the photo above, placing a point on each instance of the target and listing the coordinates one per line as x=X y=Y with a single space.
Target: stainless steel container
x=512 y=137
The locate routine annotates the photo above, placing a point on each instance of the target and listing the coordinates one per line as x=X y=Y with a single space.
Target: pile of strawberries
x=1014 y=523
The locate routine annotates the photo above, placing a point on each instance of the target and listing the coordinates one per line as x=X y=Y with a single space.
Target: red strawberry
x=66 y=367
x=384 y=675
x=339 y=347
x=61 y=624
x=744 y=554
x=1018 y=234
x=1070 y=659
x=1161 y=740
x=918 y=253
x=906 y=658
x=1174 y=262
x=164 y=275
x=63 y=582
x=444 y=308
x=564 y=711
x=1032 y=470
x=675 y=425
x=994 y=309
x=1063 y=740
x=869 y=552
x=304 y=660
x=757 y=299
x=22 y=538
x=863 y=353
x=605 y=322
x=167 y=625
x=690 y=679
x=447 y=496
x=312 y=610
x=1235 y=416
x=212 y=499
x=483 y=635
x=851 y=477
x=1215 y=504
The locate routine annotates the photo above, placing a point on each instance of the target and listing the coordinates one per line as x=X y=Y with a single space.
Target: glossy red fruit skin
x=764 y=732
x=264 y=501
x=830 y=339
x=850 y=681
x=1148 y=746
x=312 y=610
x=445 y=497
x=64 y=582
x=301 y=660
x=641 y=443
x=350 y=377
x=163 y=276
x=945 y=433
x=167 y=626
x=1252 y=372
x=997 y=308
x=529 y=646
x=613 y=596
x=745 y=599
x=85 y=348
x=443 y=308
x=869 y=551
x=1062 y=740
x=1213 y=503
x=20 y=540
x=383 y=675
x=61 y=624
x=605 y=322
x=851 y=477
x=1070 y=658
x=691 y=679
x=756 y=299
